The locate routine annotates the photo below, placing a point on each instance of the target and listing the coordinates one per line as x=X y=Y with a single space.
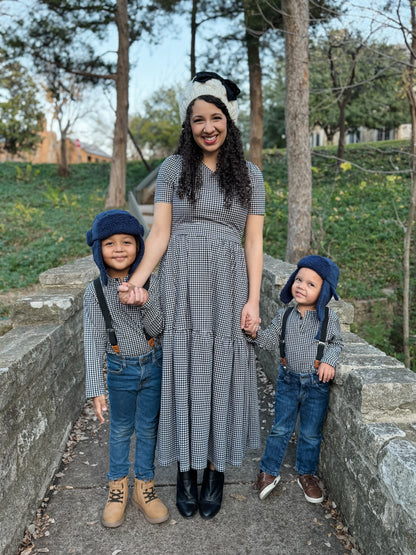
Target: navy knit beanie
x=328 y=271
x=109 y=223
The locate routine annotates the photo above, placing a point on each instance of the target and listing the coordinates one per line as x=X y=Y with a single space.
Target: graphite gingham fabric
x=301 y=343
x=209 y=406
x=128 y=322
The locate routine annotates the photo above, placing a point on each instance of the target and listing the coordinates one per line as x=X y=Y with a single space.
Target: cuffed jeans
x=305 y=395
x=134 y=393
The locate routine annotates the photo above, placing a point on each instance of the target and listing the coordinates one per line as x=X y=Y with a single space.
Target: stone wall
x=41 y=393
x=368 y=455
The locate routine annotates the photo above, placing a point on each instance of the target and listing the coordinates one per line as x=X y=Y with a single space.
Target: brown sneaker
x=145 y=498
x=265 y=483
x=115 y=507
x=311 y=489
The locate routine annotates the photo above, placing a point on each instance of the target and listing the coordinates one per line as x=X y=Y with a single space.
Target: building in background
x=48 y=152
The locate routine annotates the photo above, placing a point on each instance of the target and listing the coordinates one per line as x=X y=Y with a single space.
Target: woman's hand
x=250 y=319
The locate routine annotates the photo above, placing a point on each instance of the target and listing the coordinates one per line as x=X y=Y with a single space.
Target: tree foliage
x=159 y=126
x=21 y=115
x=356 y=83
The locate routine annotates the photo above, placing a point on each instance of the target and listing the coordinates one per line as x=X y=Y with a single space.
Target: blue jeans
x=305 y=395
x=134 y=393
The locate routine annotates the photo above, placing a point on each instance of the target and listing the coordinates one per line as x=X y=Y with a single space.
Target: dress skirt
x=209 y=405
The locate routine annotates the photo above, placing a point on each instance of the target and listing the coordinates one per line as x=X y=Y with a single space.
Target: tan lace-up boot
x=115 y=507
x=145 y=498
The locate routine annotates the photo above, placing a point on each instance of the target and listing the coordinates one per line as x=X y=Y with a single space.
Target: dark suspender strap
x=282 y=340
x=322 y=339
x=106 y=314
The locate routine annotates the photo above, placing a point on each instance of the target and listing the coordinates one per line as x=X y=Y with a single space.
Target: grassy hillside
x=43 y=217
x=357 y=214
x=358 y=218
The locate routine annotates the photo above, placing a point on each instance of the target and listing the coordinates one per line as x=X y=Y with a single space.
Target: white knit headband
x=212 y=87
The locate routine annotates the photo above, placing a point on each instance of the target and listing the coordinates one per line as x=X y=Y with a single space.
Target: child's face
x=119 y=252
x=306 y=288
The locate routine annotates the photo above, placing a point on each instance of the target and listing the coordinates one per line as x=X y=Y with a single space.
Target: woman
x=207 y=197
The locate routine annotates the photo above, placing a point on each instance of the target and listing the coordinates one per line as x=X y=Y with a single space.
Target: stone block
x=382 y=394
x=5 y=325
x=406 y=532
x=47 y=306
x=24 y=352
x=398 y=472
x=277 y=271
x=375 y=437
x=77 y=274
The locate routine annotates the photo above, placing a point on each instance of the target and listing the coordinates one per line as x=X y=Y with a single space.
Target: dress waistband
x=204 y=229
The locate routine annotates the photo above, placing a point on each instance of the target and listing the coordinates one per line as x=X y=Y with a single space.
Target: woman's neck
x=210 y=162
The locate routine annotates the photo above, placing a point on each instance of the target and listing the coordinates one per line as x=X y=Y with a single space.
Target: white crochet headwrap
x=212 y=87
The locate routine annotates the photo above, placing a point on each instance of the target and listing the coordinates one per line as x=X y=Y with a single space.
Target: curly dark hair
x=231 y=169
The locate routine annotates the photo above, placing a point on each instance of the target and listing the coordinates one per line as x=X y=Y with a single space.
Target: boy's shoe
x=265 y=483
x=310 y=487
x=145 y=498
x=115 y=507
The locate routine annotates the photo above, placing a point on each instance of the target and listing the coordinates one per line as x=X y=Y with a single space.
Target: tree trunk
x=63 y=169
x=256 y=93
x=412 y=208
x=342 y=131
x=296 y=21
x=116 y=197
x=193 y=36
x=139 y=150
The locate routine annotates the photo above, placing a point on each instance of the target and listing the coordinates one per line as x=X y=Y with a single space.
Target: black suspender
x=107 y=316
x=282 y=342
x=322 y=339
x=321 y=342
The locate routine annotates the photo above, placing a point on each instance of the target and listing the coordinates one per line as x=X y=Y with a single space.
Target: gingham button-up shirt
x=300 y=343
x=128 y=322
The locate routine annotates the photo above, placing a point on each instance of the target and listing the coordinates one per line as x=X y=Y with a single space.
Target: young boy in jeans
x=134 y=363
x=304 y=374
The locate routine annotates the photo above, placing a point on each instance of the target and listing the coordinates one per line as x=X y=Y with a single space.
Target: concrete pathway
x=284 y=523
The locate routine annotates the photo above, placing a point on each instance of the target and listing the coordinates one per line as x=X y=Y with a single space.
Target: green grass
x=44 y=217
x=358 y=219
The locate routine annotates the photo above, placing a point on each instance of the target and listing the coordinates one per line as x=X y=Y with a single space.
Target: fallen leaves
x=238 y=497
x=38 y=528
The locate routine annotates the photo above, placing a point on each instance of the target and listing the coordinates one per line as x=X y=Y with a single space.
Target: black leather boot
x=211 y=493
x=187 y=492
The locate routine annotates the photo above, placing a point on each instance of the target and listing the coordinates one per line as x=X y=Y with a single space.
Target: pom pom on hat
x=109 y=223
x=327 y=270
x=210 y=83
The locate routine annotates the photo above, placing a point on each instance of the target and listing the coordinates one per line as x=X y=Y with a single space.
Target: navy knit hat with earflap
x=109 y=223
x=328 y=271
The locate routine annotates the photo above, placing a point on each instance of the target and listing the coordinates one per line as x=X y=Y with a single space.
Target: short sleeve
x=257 y=204
x=167 y=179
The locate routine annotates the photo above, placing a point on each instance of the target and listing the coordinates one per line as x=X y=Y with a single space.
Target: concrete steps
x=147 y=211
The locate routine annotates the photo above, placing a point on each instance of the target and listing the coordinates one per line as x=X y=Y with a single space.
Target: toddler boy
x=134 y=363
x=309 y=338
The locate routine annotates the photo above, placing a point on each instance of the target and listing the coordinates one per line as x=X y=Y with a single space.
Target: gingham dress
x=209 y=406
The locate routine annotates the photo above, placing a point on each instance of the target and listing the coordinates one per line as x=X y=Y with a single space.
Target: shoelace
x=116 y=496
x=149 y=495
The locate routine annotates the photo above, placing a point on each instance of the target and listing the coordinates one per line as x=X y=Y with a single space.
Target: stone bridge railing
x=368 y=455
x=368 y=458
